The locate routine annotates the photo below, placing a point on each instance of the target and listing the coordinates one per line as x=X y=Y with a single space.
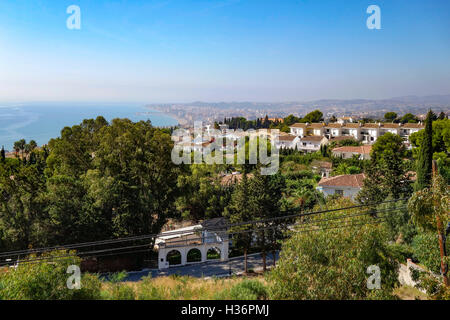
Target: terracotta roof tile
x=349 y=180
x=413 y=125
x=371 y=125
x=313 y=138
x=299 y=125
x=360 y=149
x=322 y=164
x=352 y=125
x=391 y=125
x=286 y=138
x=334 y=125
x=316 y=125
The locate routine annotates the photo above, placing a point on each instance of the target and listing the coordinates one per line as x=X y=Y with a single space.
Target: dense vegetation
x=266 y=123
x=97 y=181
x=102 y=180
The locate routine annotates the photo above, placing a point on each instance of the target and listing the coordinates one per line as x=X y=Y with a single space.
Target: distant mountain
x=369 y=108
x=441 y=100
x=433 y=99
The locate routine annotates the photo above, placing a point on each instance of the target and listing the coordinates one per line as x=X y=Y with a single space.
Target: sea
x=44 y=121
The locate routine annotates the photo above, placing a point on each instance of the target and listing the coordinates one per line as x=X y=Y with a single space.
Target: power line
x=54 y=258
x=96 y=252
x=169 y=233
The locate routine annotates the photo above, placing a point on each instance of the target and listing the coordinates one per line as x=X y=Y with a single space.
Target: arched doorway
x=174 y=257
x=213 y=253
x=194 y=255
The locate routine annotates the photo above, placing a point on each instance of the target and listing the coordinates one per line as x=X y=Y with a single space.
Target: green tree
x=321 y=261
x=3 y=154
x=133 y=166
x=239 y=211
x=387 y=173
x=429 y=208
x=441 y=145
x=97 y=181
x=424 y=162
x=291 y=119
x=399 y=225
x=426 y=251
x=22 y=215
x=409 y=118
x=440 y=136
x=201 y=193
x=265 y=202
x=47 y=280
x=345 y=168
x=19 y=146
x=314 y=116
x=390 y=116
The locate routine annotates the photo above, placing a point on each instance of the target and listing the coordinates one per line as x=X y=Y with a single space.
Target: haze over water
x=42 y=122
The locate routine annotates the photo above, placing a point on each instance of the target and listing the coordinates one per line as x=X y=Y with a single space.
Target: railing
x=191 y=242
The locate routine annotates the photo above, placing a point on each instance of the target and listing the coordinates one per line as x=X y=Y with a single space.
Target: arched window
x=174 y=257
x=213 y=253
x=194 y=255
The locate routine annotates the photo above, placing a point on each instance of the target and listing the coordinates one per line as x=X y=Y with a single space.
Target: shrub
x=426 y=251
x=245 y=290
x=148 y=291
x=47 y=280
x=118 y=290
x=331 y=262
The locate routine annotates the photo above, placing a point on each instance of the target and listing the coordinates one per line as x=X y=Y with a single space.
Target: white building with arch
x=195 y=244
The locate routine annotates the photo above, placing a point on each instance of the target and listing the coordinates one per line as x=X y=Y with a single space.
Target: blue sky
x=227 y=50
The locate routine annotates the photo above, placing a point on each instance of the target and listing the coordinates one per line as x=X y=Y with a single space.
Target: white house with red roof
x=347 y=185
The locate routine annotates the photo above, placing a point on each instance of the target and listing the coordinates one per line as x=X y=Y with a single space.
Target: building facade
x=367 y=133
x=344 y=185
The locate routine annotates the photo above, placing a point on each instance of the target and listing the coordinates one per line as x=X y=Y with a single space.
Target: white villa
x=312 y=143
x=366 y=133
x=344 y=185
x=287 y=142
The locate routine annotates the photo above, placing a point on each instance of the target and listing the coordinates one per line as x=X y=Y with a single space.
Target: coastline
x=42 y=122
x=181 y=121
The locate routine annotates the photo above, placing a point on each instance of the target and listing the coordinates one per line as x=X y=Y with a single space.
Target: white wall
x=297 y=131
x=348 y=191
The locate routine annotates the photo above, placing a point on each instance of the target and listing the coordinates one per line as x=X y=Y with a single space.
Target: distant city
x=187 y=113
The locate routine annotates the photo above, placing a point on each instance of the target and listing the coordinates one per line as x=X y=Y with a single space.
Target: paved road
x=207 y=269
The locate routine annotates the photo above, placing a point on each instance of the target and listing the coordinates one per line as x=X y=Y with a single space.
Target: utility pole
x=442 y=237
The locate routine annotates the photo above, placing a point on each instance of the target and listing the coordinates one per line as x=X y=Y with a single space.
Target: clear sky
x=222 y=50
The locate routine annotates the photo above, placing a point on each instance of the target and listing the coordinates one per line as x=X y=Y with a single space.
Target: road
x=207 y=269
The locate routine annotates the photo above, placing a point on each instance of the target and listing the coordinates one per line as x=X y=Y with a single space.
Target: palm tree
x=33 y=145
x=19 y=146
x=29 y=147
